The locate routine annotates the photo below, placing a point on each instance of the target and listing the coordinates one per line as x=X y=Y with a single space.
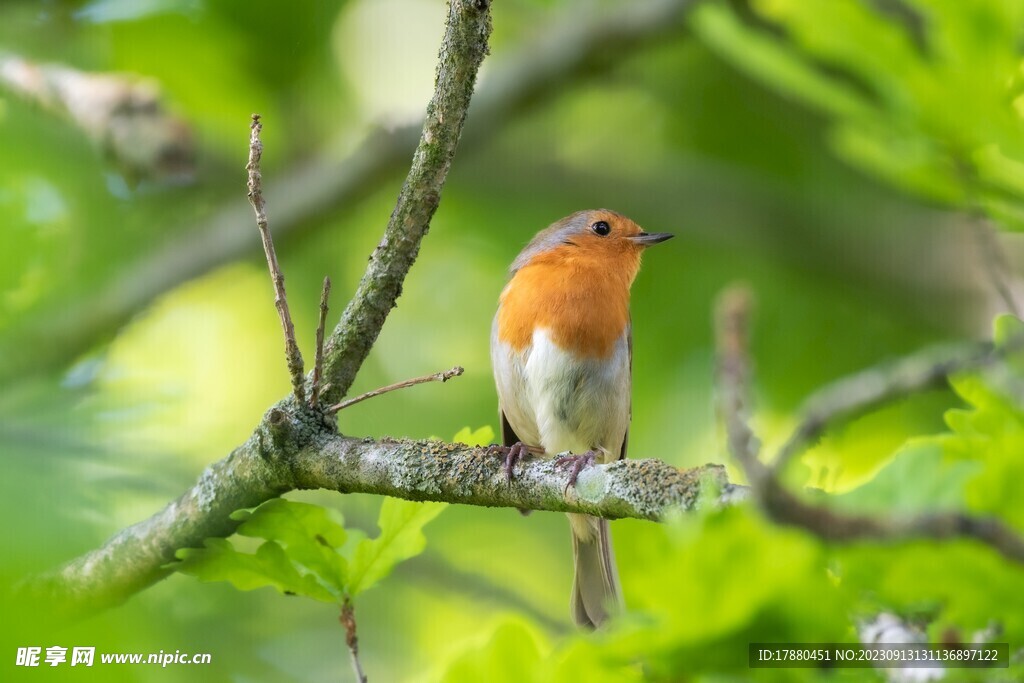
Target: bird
x=561 y=351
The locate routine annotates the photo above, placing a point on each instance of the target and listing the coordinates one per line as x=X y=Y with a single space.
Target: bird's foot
x=576 y=463
x=512 y=454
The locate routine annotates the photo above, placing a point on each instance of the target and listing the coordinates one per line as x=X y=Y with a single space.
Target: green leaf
x=307 y=551
x=512 y=654
x=927 y=98
x=920 y=478
x=900 y=156
x=401 y=523
x=219 y=560
x=1006 y=329
x=583 y=659
x=990 y=433
x=301 y=552
x=768 y=59
x=480 y=437
x=311 y=535
x=518 y=652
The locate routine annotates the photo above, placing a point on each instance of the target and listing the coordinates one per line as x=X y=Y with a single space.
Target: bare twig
x=782 y=505
x=291 y=347
x=866 y=390
x=436 y=377
x=318 y=364
x=348 y=620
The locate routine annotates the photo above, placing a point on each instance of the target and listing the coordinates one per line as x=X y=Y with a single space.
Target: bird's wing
x=508 y=435
x=629 y=417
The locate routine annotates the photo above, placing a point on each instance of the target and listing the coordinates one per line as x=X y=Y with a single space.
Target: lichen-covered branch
x=732 y=318
x=135 y=558
x=295 y=449
x=455 y=473
x=462 y=51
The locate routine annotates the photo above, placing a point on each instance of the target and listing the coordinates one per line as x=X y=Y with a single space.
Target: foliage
x=307 y=551
x=482 y=436
x=517 y=651
x=927 y=94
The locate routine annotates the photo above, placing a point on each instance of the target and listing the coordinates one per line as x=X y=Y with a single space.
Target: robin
x=561 y=347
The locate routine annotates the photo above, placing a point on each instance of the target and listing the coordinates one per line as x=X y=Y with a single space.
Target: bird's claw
x=576 y=463
x=512 y=454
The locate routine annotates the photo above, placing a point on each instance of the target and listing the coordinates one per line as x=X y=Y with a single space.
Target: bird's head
x=598 y=235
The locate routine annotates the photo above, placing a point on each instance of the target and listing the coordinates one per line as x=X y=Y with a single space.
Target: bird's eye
x=601 y=228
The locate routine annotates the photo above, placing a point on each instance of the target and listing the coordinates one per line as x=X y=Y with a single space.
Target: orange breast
x=574 y=294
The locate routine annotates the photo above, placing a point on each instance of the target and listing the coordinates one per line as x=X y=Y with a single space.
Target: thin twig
x=436 y=377
x=348 y=620
x=318 y=363
x=291 y=348
x=782 y=505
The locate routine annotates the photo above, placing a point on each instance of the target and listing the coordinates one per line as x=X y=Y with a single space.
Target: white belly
x=560 y=403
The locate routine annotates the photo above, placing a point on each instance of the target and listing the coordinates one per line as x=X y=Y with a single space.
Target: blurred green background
x=695 y=125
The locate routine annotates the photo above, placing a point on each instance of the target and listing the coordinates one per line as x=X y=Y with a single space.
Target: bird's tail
x=595 y=587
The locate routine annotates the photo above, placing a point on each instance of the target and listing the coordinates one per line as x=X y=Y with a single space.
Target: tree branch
x=123 y=114
x=578 y=44
x=781 y=505
x=732 y=319
x=290 y=451
x=862 y=392
x=136 y=557
x=462 y=51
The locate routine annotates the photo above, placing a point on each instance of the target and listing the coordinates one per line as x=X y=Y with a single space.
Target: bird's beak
x=646 y=239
